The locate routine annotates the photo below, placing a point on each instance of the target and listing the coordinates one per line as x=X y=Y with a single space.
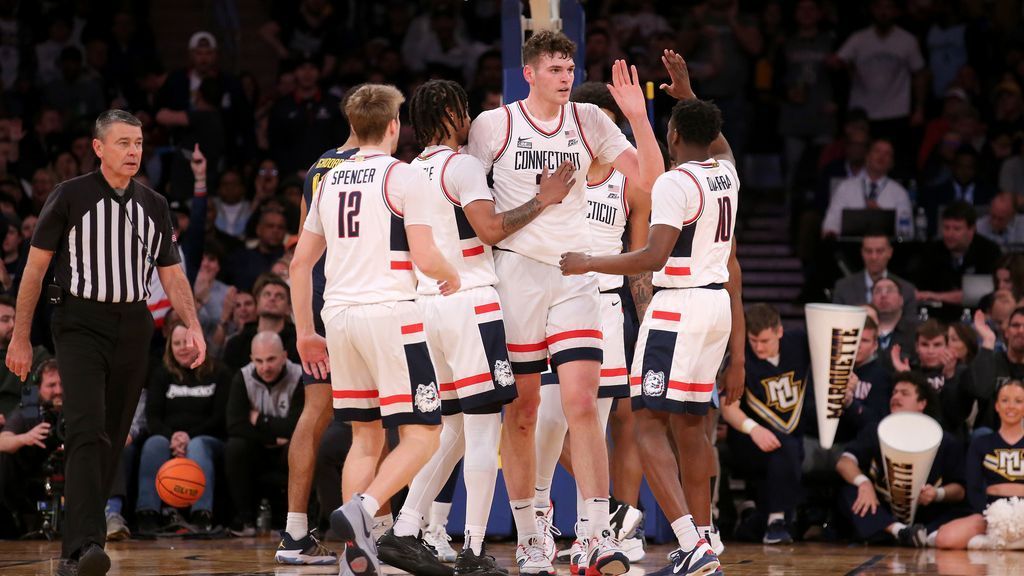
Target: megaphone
x=833 y=334
x=909 y=443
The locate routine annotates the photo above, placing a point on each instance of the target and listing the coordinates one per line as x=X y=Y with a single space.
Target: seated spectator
x=894 y=327
x=1009 y=274
x=10 y=383
x=872 y=190
x=938 y=365
x=209 y=291
x=244 y=266
x=865 y=500
x=28 y=440
x=233 y=211
x=855 y=289
x=992 y=368
x=763 y=435
x=239 y=309
x=1002 y=225
x=941 y=268
x=185 y=417
x=962 y=186
x=263 y=407
x=273 y=314
x=963 y=343
x=874 y=385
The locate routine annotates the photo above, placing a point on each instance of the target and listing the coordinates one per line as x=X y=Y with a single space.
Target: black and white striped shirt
x=106 y=246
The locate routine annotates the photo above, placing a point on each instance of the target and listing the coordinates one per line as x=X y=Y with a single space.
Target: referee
x=108 y=233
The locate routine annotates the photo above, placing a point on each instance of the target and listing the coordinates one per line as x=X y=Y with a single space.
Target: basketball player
x=375 y=223
x=613 y=201
x=690 y=247
x=298 y=543
x=465 y=332
x=548 y=315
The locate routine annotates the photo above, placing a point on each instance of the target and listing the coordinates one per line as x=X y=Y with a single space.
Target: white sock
x=409 y=523
x=895 y=528
x=369 y=504
x=582 y=527
x=480 y=468
x=475 y=538
x=526 y=522
x=439 y=513
x=773 y=516
x=686 y=532
x=980 y=542
x=597 y=516
x=930 y=541
x=549 y=437
x=297 y=525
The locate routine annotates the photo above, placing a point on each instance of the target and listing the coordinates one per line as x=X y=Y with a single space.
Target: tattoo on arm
x=520 y=216
x=642 y=289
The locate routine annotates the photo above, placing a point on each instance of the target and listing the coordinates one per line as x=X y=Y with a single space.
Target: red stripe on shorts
x=677 y=270
x=470 y=380
x=396 y=399
x=691 y=386
x=412 y=328
x=527 y=347
x=574 y=334
x=355 y=393
x=663 y=315
x=401 y=265
x=608 y=372
x=485 y=308
x=474 y=251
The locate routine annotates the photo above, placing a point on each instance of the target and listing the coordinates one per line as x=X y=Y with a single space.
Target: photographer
x=10 y=383
x=31 y=436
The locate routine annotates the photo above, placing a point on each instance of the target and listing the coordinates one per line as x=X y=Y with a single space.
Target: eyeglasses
x=267 y=172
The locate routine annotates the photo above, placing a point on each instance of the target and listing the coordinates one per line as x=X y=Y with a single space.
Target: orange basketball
x=180 y=482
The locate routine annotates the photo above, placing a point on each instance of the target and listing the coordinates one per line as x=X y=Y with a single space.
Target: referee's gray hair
x=110 y=117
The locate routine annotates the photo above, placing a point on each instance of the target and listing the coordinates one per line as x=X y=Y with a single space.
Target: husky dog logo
x=503 y=373
x=427 y=399
x=654 y=383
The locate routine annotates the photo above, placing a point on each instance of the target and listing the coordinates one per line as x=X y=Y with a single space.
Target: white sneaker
x=606 y=556
x=635 y=548
x=625 y=520
x=714 y=538
x=547 y=530
x=532 y=559
x=578 y=558
x=437 y=537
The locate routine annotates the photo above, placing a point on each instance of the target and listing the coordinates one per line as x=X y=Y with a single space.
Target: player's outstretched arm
x=493 y=227
x=735 y=372
x=681 y=89
x=648 y=259
x=643 y=165
x=312 y=347
x=429 y=259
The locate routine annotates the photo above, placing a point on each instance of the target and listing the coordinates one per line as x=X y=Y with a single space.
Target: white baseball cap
x=200 y=37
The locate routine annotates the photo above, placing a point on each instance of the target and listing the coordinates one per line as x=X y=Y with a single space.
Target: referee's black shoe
x=469 y=564
x=93 y=561
x=411 y=554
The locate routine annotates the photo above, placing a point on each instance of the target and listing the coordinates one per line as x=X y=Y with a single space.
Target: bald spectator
x=872 y=190
x=1002 y=225
x=855 y=289
x=893 y=326
x=264 y=404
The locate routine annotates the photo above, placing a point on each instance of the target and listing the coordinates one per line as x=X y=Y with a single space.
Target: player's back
x=699 y=198
x=459 y=179
x=360 y=213
x=607 y=214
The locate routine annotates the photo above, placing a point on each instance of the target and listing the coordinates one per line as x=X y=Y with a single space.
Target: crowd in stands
x=913 y=107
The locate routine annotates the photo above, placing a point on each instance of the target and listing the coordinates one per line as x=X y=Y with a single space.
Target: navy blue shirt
x=328 y=160
x=775 y=395
x=990 y=461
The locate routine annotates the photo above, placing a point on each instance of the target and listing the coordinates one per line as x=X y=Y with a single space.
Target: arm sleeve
x=487 y=135
x=410 y=191
x=598 y=130
x=833 y=217
x=674 y=200
x=466 y=180
x=53 y=221
x=167 y=254
x=975 y=477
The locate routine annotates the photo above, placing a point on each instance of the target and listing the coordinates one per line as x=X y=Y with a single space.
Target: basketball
x=180 y=482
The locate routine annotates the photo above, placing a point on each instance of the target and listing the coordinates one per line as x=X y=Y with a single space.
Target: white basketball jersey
x=458 y=179
x=700 y=199
x=362 y=209
x=607 y=214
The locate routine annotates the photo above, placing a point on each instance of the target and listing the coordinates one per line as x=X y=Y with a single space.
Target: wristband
x=860 y=479
x=940 y=494
x=748 y=426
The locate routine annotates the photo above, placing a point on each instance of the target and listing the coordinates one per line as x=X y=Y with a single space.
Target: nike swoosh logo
x=615 y=303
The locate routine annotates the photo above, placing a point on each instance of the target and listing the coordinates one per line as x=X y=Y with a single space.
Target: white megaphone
x=833 y=334
x=909 y=442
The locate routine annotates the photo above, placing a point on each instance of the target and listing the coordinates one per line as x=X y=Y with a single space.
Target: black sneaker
x=777 y=533
x=468 y=563
x=307 y=551
x=93 y=561
x=148 y=522
x=913 y=536
x=67 y=567
x=409 y=553
x=202 y=520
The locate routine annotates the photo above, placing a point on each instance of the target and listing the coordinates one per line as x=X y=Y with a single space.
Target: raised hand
x=680 y=88
x=898 y=363
x=198 y=165
x=627 y=90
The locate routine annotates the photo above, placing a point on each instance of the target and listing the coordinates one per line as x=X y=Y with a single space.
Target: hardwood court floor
x=256 y=556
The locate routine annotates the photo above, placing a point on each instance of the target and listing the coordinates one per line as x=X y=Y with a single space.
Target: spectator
x=873 y=190
x=1002 y=225
x=307 y=28
x=888 y=77
x=863 y=469
x=209 y=291
x=940 y=368
x=201 y=125
x=28 y=439
x=48 y=51
x=961 y=251
x=855 y=289
x=305 y=123
x=437 y=42
x=233 y=212
x=273 y=310
x=43 y=183
x=1011 y=174
x=894 y=328
x=1009 y=274
x=77 y=94
x=874 y=384
x=185 y=415
x=1008 y=116
x=10 y=384
x=248 y=264
x=963 y=186
x=946 y=42
x=992 y=368
x=239 y=309
x=265 y=184
x=263 y=407
x=44 y=141
x=963 y=343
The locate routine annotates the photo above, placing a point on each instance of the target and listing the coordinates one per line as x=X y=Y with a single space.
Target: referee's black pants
x=102 y=353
